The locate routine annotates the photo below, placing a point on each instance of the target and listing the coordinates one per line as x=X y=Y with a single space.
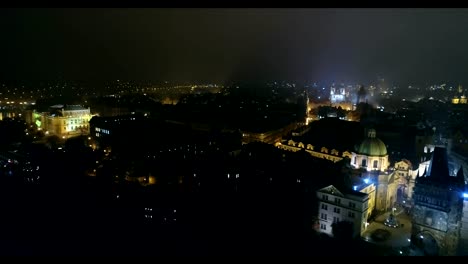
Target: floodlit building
x=371 y=154
x=342 y=205
x=64 y=120
x=438 y=207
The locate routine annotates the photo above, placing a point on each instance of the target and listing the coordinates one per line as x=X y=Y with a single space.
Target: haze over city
x=405 y=45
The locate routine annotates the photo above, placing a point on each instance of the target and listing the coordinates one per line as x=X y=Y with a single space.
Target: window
x=336 y=219
x=352 y=205
x=325 y=197
x=324 y=207
x=323 y=216
x=323 y=226
x=355 y=160
x=375 y=164
x=337 y=200
x=351 y=214
x=336 y=210
x=364 y=163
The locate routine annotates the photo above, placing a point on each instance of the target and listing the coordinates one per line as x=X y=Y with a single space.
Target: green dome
x=372 y=146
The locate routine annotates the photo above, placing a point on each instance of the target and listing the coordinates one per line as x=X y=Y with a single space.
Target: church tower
x=438 y=205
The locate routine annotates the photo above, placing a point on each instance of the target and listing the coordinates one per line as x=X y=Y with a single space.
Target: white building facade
x=336 y=206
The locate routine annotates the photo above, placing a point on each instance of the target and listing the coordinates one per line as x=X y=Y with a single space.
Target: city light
x=366 y=180
x=465 y=195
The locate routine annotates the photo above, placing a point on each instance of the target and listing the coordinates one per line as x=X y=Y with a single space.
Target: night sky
x=351 y=45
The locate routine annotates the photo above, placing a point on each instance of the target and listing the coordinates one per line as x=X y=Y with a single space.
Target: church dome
x=372 y=146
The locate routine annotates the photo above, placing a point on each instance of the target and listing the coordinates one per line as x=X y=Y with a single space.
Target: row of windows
x=75 y=127
x=104 y=131
x=336 y=219
x=364 y=163
x=337 y=200
x=78 y=121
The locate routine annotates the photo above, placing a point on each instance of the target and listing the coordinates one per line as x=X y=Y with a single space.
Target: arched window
x=376 y=163
x=364 y=163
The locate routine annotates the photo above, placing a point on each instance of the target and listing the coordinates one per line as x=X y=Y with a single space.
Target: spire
x=438 y=166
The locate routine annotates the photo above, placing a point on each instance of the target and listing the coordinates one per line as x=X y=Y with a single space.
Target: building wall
x=323 y=153
x=371 y=191
x=463 y=245
x=382 y=162
x=72 y=123
x=442 y=221
x=336 y=208
x=386 y=192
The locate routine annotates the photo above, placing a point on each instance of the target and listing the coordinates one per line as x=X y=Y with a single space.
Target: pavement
x=398 y=242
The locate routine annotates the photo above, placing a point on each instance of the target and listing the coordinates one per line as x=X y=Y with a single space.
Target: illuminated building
x=407 y=177
x=324 y=139
x=340 y=97
x=337 y=95
x=460 y=98
x=366 y=185
x=371 y=154
x=342 y=205
x=323 y=152
x=438 y=207
x=64 y=120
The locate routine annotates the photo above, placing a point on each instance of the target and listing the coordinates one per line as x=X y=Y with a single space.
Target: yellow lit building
x=64 y=120
x=460 y=98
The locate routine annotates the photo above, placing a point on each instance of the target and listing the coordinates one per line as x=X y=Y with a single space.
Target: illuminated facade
x=371 y=154
x=368 y=187
x=64 y=120
x=340 y=205
x=323 y=152
x=460 y=98
x=337 y=95
x=438 y=207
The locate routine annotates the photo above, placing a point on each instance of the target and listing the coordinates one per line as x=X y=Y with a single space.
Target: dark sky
x=357 y=45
